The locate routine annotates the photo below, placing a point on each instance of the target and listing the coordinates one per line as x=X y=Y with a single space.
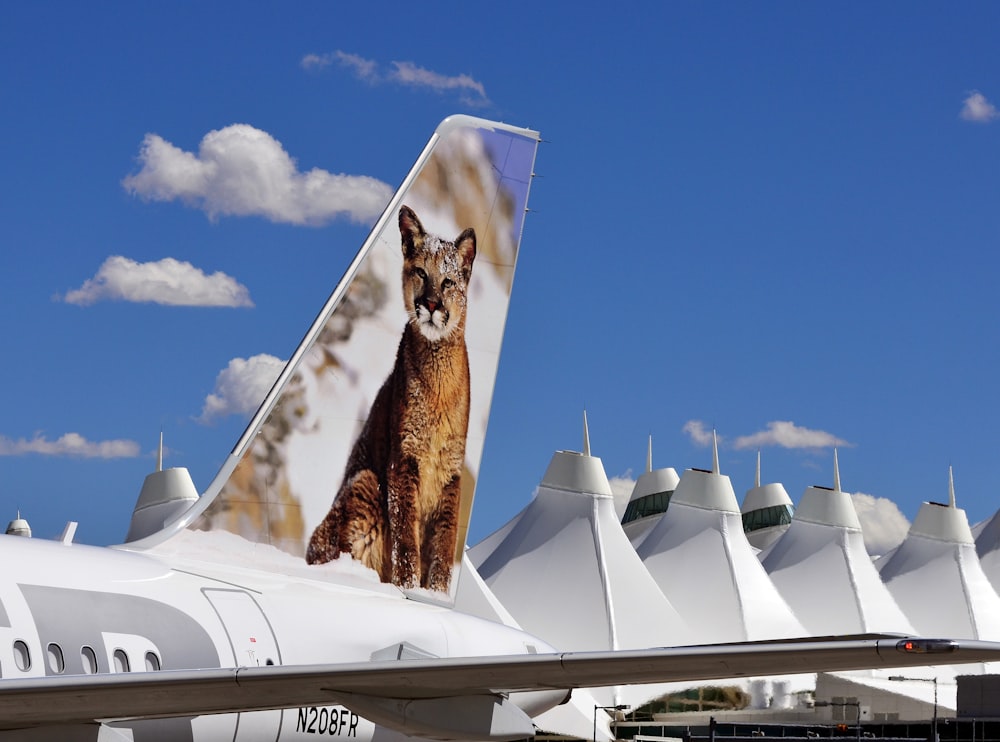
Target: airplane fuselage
x=75 y=609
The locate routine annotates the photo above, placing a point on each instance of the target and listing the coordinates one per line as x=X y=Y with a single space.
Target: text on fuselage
x=334 y=721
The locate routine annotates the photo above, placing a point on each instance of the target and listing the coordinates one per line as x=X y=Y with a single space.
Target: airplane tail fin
x=363 y=458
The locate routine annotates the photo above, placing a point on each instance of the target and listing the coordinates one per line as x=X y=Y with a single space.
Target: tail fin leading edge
x=363 y=458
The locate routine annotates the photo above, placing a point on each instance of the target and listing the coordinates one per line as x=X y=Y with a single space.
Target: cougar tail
x=277 y=486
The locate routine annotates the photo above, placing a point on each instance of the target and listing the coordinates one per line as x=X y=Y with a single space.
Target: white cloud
x=404 y=73
x=70 y=444
x=366 y=69
x=621 y=488
x=976 y=108
x=241 y=387
x=243 y=171
x=696 y=430
x=787 y=434
x=883 y=524
x=408 y=73
x=168 y=281
x=316 y=61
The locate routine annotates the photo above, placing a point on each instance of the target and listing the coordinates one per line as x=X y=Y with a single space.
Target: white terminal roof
x=567 y=573
x=652 y=482
x=988 y=549
x=573 y=719
x=565 y=570
x=762 y=496
x=765 y=497
x=821 y=567
x=936 y=577
x=700 y=541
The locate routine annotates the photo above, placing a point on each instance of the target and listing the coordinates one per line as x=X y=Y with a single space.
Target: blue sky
x=776 y=219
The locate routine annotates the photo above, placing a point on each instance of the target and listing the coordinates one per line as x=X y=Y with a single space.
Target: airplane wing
x=87 y=698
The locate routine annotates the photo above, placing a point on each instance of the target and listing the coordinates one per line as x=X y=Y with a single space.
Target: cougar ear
x=411 y=231
x=466 y=246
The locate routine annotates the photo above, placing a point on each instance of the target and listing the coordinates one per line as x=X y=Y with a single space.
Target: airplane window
x=56 y=662
x=89 y=657
x=22 y=657
x=121 y=661
x=152 y=662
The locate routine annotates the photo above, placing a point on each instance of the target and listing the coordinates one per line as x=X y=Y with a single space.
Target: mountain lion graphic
x=398 y=505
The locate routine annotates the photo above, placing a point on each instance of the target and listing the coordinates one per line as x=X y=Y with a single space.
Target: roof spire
x=951 y=489
x=756 y=478
x=715 y=453
x=159 y=454
x=836 y=472
x=586 y=434
x=649 y=455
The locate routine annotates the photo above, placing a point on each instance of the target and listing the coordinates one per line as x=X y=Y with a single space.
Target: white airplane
x=309 y=590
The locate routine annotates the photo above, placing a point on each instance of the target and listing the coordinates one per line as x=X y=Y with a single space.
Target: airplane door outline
x=253 y=643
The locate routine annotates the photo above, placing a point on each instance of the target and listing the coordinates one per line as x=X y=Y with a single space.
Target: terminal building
x=774 y=571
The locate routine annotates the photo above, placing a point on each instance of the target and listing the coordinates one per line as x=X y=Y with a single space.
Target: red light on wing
x=927 y=646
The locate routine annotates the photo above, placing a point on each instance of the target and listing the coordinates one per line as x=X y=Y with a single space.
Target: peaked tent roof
x=653 y=482
x=939 y=554
x=700 y=540
x=574 y=718
x=988 y=549
x=566 y=554
x=567 y=573
x=477 y=554
x=760 y=499
x=821 y=567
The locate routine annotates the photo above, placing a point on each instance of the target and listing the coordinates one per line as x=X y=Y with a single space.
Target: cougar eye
x=447 y=283
x=419 y=273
